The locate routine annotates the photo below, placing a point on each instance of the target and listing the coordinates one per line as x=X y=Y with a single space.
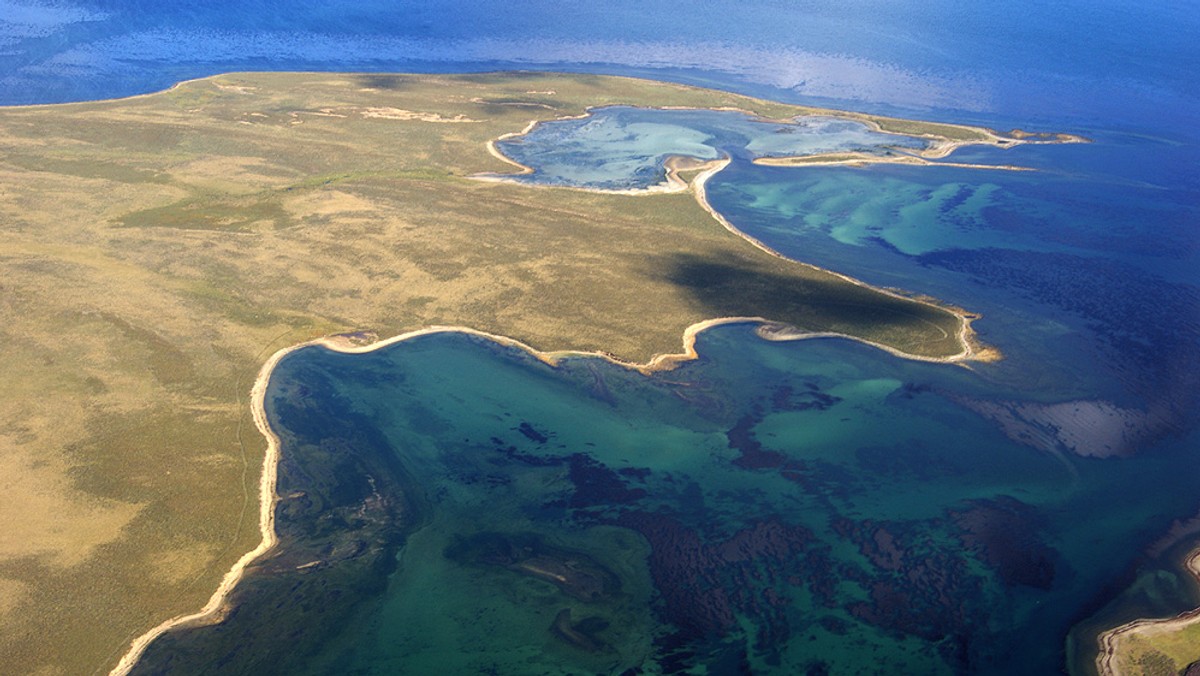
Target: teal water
x=620 y=147
x=1057 y=260
x=811 y=507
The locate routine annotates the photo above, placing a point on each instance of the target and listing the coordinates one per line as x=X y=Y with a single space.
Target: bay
x=1084 y=272
x=786 y=507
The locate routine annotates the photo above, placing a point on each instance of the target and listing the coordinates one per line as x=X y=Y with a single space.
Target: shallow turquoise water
x=779 y=505
x=1056 y=258
x=619 y=147
x=1058 y=261
x=818 y=505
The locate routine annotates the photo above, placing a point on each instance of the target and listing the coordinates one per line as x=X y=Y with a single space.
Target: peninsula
x=155 y=252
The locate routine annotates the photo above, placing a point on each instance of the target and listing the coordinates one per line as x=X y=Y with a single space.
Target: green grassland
x=154 y=251
x=1164 y=652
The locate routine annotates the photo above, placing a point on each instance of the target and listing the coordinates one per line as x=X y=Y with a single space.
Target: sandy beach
x=214 y=611
x=865 y=159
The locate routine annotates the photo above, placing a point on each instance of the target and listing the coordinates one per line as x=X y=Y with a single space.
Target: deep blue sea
x=815 y=506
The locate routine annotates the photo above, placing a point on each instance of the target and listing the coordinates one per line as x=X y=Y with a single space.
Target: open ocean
x=807 y=507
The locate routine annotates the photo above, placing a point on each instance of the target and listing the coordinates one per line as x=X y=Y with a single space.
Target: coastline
x=213 y=611
x=1106 y=660
x=971 y=349
x=939 y=147
x=673 y=183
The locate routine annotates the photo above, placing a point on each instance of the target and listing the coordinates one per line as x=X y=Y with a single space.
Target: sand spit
x=866 y=159
x=673 y=183
x=940 y=147
x=971 y=349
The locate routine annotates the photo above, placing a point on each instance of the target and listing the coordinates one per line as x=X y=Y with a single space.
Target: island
x=158 y=250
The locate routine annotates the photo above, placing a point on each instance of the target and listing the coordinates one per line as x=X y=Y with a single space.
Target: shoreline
x=1108 y=640
x=214 y=610
x=939 y=147
x=971 y=349
x=672 y=183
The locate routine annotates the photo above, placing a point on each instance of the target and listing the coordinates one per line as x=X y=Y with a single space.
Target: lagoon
x=625 y=148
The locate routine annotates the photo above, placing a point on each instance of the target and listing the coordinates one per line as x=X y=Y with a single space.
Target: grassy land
x=154 y=251
x=1165 y=652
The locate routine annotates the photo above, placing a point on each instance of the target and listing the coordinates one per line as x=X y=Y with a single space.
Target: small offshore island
x=157 y=250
